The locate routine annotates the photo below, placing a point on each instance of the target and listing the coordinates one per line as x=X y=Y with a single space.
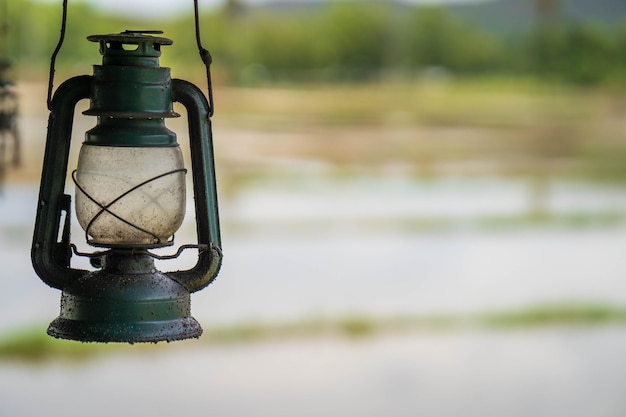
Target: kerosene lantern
x=129 y=199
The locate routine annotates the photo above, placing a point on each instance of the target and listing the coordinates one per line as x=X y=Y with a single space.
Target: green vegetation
x=340 y=41
x=34 y=346
x=556 y=315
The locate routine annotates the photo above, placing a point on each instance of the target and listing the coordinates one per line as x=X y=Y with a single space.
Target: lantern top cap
x=131 y=48
x=133 y=37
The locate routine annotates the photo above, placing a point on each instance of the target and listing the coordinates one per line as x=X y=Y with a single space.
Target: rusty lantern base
x=127 y=301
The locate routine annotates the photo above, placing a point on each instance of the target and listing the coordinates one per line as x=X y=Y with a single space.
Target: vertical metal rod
x=55 y=53
x=206 y=57
x=4 y=30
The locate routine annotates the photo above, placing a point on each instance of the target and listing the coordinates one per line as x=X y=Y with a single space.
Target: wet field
x=307 y=237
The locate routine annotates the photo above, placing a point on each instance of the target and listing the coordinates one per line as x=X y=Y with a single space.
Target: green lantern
x=130 y=198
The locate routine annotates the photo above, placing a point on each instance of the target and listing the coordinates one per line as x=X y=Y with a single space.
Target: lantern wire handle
x=206 y=57
x=55 y=53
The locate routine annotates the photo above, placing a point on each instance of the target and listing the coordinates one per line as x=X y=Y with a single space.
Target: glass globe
x=130 y=196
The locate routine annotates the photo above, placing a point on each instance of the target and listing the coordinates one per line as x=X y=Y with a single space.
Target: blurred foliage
x=556 y=315
x=337 y=41
x=34 y=346
x=581 y=54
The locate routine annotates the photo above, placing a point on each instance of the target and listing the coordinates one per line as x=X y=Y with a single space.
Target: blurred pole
x=233 y=8
x=8 y=101
x=546 y=15
x=4 y=29
x=546 y=10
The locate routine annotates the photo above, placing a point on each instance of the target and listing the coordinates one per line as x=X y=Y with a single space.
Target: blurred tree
x=580 y=54
x=355 y=39
x=587 y=54
x=620 y=50
x=335 y=41
x=279 y=51
x=546 y=9
x=439 y=39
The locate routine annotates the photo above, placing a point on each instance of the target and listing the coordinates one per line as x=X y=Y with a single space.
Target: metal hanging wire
x=206 y=57
x=55 y=53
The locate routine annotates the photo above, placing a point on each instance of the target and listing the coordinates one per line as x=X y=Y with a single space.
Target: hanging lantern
x=129 y=199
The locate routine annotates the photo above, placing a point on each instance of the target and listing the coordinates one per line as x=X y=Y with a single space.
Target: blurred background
x=423 y=211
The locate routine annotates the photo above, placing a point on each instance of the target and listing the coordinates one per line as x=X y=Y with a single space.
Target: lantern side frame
x=51 y=258
x=204 y=187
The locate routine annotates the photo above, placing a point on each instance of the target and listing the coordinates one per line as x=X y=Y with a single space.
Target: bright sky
x=152 y=8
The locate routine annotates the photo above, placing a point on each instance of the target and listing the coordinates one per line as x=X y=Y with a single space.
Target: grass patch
x=460 y=102
x=556 y=315
x=32 y=345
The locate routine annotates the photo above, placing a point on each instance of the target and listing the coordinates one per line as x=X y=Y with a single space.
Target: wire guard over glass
x=118 y=207
x=107 y=208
